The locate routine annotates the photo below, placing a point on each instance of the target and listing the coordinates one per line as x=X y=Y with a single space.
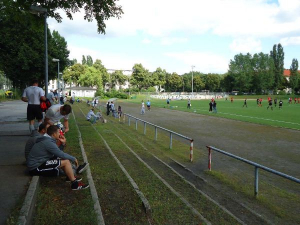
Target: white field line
x=94 y=194
x=205 y=195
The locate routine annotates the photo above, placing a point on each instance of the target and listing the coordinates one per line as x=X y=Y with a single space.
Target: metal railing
x=256 y=165
x=156 y=127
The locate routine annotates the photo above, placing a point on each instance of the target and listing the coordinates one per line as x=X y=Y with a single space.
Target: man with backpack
x=34 y=95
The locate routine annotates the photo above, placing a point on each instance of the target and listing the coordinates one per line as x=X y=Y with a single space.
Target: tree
x=198 y=83
x=71 y=74
x=212 y=82
x=159 y=78
x=22 y=46
x=117 y=77
x=240 y=69
x=83 y=61
x=72 y=62
x=102 y=70
x=278 y=56
x=91 y=77
x=140 y=77
x=294 y=75
x=174 y=82
x=89 y=60
x=227 y=83
x=99 y=10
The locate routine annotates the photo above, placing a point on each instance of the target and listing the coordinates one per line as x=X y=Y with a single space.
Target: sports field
x=287 y=117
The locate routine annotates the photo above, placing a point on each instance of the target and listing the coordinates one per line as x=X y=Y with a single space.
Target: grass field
x=287 y=117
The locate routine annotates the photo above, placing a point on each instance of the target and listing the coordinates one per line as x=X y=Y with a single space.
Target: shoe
x=78 y=186
x=81 y=168
x=77 y=179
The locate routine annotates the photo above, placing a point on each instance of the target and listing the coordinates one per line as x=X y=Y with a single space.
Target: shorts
x=50 y=168
x=34 y=112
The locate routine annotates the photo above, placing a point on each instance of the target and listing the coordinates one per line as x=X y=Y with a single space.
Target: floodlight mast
x=40 y=10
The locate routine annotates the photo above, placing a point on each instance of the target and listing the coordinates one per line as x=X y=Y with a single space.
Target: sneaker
x=77 y=179
x=81 y=168
x=78 y=186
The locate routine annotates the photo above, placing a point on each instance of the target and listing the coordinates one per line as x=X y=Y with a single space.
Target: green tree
x=91 y=77
x=83 y=61
x=72 y=62
x=240 y=68
x=159 y=78
x=118 y=78
x=198 y=83
x=71 y=74
x=278 y=56
x=212 y=82
x=22 y=46
x=294 y=75
x=174 y=82
x=227 y=83
x=89 y=60
x=99 y=10
x=102 y=70
x=140 y=77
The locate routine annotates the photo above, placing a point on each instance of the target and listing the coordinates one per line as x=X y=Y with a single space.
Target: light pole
x=193 y=81
x=40 y=10
x=57 y=60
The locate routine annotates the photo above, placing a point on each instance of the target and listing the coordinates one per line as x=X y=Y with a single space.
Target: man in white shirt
x=33 y=95
x=51 y=97
x=56 y=112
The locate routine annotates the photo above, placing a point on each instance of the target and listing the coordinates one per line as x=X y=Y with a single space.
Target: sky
x=176 y=35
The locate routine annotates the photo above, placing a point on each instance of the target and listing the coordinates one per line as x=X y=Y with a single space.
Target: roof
x=81 y=88
x=287 y=73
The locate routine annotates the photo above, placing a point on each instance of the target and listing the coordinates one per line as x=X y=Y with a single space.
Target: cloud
x=146 y=41
x=245 y=45
x=171 y=41
x=203 y=62
x=290 y=41
x=120 y=61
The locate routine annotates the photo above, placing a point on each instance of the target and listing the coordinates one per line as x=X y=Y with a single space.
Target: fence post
x=136 y=124
x=256 y=182
x=155 y=133
x=170 y=140
x=144 y=127
x=209 y=158
x=191 y=150
x=129 y=121
x=124 y=118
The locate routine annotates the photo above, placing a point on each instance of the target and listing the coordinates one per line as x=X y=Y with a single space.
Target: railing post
x=129 y=121
x=256 y=182
x=155 y=133
x=144 y=127
x=191 y=150
x=136 y=124
x=170 y=140
x=209 y=159
x=124 y=118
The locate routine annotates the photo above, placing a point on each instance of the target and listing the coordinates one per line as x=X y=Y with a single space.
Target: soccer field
x=287 y=117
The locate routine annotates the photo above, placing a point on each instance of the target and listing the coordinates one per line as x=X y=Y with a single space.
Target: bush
x=115 y=94
x=282 y=93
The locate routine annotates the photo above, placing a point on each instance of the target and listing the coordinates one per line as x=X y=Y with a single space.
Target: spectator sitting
x=92 y=117
x=45 y=159
x=56 y=112
x=34 y=135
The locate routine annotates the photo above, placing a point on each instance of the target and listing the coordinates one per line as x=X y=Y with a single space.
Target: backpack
x=45 y=105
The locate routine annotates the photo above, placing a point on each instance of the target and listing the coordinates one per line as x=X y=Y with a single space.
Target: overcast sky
x=176 y=34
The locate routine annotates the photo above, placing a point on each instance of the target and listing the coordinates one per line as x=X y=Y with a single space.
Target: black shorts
x=34 y=112
x=49 y=168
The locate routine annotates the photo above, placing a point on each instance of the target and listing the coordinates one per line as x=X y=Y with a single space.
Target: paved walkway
x=14 y=133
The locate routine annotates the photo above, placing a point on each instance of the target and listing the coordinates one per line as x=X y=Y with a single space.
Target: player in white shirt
x=34 y=95
x=57 y=112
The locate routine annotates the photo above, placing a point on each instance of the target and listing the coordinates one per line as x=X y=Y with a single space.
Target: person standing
x=34 y=95
x=51 y=97
x=189 y=104
x=270 y=104
x=275 y=102
x=143 y=108
x=210 y=106
x=280 y=104
x=168 y=102
x=148 y=105
x=245 y=103
x=214 y=107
